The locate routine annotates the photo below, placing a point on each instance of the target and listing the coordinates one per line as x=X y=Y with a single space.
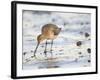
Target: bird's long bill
x=36 y=48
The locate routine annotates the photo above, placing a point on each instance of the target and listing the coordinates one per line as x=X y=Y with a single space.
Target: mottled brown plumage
x=48 y=31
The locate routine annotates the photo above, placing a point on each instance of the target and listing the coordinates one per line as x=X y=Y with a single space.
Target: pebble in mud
x=89 y=50
x=64 y=23
x=31 y=51
x=40 y=53
x=89 y=61
x=87 y=35
x=79 y=52
x=27 y=60
x=79 y=43
x=24 y=53
x=51 y=50
x=87 y=23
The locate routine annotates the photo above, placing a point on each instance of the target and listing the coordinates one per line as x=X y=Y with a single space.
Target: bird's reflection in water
x=49 y=63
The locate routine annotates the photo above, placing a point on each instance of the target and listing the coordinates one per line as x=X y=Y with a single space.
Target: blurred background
x=71 y=48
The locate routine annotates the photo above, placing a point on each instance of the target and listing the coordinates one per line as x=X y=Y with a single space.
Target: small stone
x=31 y=51
x=87 y=35
x=40 y=53
x=64 y=24
x=80 y=53
x=89 y=60
x=87 y=23
x=79 y=43
x=89 y=50
x=51 y=50
x=27 y=60
x=25 y=53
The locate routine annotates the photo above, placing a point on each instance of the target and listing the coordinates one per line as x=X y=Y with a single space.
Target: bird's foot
x=34 y=56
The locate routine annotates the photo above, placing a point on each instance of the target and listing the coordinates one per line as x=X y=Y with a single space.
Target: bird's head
x=40 y=38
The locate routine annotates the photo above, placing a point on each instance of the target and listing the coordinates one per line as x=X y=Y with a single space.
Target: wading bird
x=48 y=32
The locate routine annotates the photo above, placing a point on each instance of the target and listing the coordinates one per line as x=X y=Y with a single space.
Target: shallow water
x=65 y=54
x=58 y=63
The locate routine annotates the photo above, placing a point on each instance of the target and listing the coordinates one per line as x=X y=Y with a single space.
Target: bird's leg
x=51 y=47
x=35 y=51
x=45 y=51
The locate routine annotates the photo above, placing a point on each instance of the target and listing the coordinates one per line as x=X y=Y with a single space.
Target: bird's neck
x=41 y=38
